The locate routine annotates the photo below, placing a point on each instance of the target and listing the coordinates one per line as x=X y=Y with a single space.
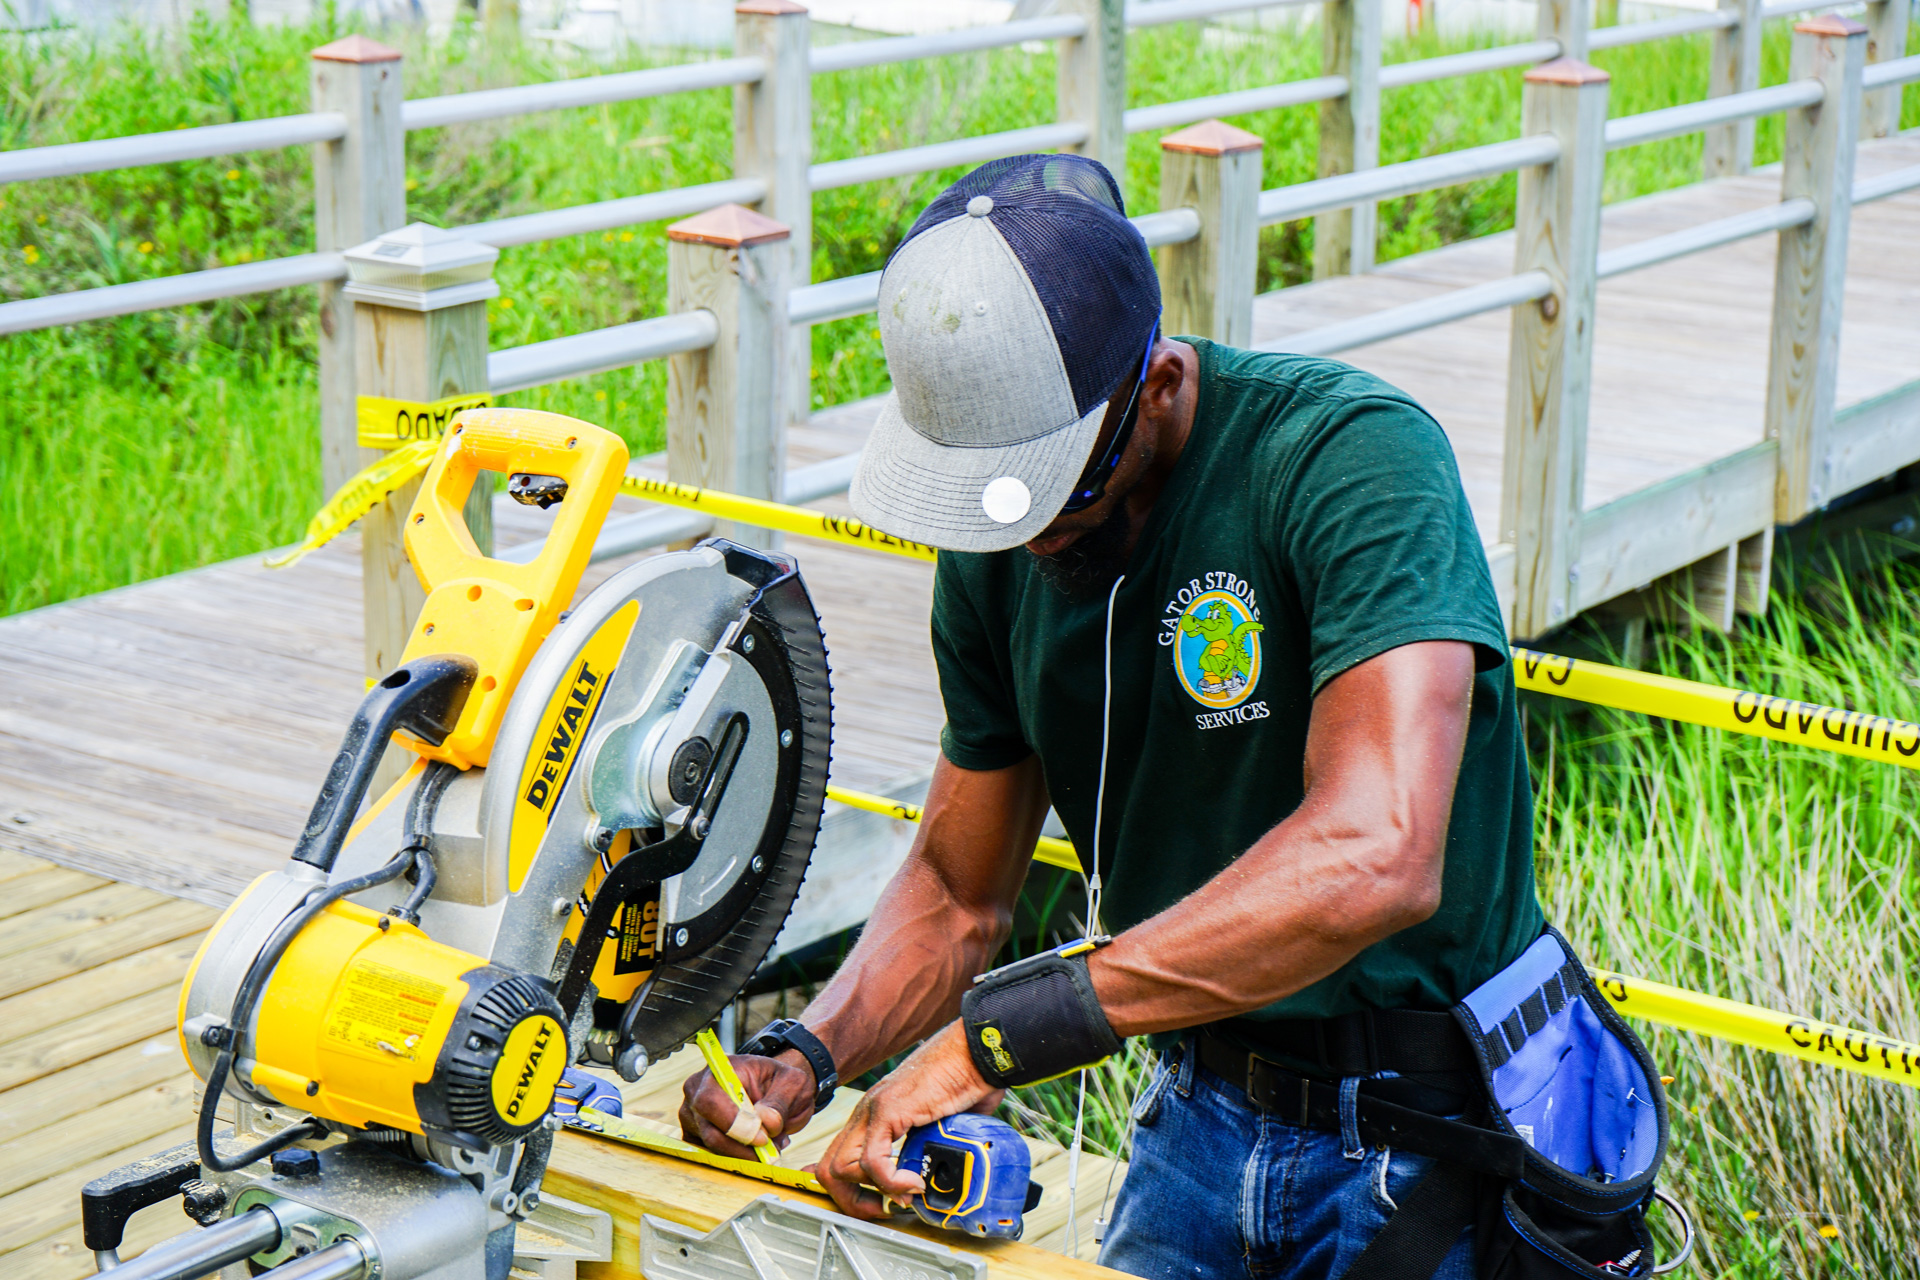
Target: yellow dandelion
x=600 y=397
x=507 y=303
x=621 y=405
x=1751 y=1215
x=146 y=246
x=626 y=237
x=607 y=238
x=1828 y=1231
x=412 y=183
x=232 y=174
x=31 y=253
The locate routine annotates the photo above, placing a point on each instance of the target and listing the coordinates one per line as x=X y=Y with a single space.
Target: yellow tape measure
x=635 y=1134
x=1852 y=733
x=388 y=424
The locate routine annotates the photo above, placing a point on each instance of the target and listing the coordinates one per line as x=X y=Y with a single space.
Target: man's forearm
x=940 y=920
x=904 y=978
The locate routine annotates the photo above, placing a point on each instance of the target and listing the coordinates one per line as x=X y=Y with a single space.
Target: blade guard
x=494 y=611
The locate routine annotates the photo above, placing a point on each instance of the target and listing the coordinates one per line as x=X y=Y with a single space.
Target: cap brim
x=911 y=487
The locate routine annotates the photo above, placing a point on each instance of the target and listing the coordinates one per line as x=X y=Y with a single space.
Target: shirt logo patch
x=1216 y=649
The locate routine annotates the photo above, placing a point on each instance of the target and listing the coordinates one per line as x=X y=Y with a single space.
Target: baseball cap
x=1019 y=302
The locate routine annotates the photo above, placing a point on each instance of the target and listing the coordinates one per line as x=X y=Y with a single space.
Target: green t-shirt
x=1324 y=507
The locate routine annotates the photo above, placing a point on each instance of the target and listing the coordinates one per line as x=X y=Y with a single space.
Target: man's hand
x=937 y=1081
x=781 y=1087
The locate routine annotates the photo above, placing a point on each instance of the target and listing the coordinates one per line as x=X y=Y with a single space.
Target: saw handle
x=495 y=611
x=110 y=1199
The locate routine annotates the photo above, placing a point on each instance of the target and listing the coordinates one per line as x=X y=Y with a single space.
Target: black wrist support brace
x=1037 y=1018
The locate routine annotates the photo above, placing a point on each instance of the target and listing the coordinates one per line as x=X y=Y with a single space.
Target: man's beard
x=1085 y=569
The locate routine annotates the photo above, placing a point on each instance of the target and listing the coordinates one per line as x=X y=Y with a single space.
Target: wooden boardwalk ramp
x=91 y=1078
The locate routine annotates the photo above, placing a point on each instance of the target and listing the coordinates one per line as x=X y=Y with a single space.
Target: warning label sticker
x=383 y=1009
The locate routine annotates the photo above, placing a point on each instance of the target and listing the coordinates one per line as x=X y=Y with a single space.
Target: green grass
x=154 y=443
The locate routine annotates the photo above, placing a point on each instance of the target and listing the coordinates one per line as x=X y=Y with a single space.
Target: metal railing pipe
x=1308 y=199
x=1788 y=8
x=875 y=53
x=1157 y=13
x=581 y=354
x=581 y=219
x=1399 y=321
x=1900 y=71
x=1499 y=58
x=70 y=159
x=1169 y=226
x=834 y=299
x=585 y=91
x=1887 y=184
x=943 y=155
x=1692 y=117
x=1294 y=93
x=169 y=291
x=1626 y=33
x=1708 y=235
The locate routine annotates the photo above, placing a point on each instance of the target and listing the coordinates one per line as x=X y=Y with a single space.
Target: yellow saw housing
x=368 y=1022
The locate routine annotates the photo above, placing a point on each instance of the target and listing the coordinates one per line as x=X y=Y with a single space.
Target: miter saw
x=609 y=816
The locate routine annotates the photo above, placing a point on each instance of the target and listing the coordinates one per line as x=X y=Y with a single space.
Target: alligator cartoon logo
x=1217 y=654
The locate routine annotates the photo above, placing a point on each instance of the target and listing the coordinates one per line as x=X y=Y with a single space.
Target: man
x=1227 y=613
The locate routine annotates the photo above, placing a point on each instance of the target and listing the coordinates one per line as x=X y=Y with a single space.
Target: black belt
x=1367 y=1042
x=1402 y=1113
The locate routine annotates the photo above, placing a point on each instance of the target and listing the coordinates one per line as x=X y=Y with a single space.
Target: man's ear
x=1166 y=372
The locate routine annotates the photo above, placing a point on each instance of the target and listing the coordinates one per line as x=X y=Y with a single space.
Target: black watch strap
x=786 y=1033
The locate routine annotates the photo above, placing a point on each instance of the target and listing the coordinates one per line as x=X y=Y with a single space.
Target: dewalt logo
x=528 y=1070
x=564 y=725
x=576 y=713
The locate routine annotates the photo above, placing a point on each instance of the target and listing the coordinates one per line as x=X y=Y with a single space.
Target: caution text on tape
x=773 y=515
x=1853 y=733
x=1864 y=1052
x=356 y=497
x=388 y=424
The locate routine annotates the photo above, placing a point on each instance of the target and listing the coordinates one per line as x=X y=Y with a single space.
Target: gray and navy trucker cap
x=1018 y=303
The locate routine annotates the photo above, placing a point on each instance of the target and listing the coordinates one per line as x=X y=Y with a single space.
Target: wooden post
x=773 y=141
x=419 y=296
x=1343 y=241
x=1569 y=22
x=1886 y=40
x=359 y=191
x=725 y=428
x=1728 y=148
x=1206 y=284
x=1092 y=72
x=1810 y=272
x=1549 y=372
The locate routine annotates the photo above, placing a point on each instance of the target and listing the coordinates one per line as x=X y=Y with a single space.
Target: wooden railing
x=740 y=301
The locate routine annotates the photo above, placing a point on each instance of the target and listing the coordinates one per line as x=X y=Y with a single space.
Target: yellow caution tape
x=389 y=424
x=1864 y=1052
x=1853 y=733
x=1055 y=853
x=358 y=496
x=635 y=1134
x=773 y=515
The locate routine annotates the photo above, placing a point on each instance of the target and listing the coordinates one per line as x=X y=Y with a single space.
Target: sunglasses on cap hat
x=1092 y=485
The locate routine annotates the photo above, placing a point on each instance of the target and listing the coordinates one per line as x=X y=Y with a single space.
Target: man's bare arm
x=938 y=923
x=1359 y=860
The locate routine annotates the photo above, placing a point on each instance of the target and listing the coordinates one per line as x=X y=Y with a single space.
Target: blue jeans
x=1218 y=1188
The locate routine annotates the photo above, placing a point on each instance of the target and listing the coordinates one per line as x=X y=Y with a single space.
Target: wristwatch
x=786 y=1033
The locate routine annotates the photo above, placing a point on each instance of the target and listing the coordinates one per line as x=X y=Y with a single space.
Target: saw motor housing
x=613 y=810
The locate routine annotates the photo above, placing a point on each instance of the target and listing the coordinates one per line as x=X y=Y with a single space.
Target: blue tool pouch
x=1568 y=1078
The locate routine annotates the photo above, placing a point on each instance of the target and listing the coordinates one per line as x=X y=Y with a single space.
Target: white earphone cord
x=1093 y=921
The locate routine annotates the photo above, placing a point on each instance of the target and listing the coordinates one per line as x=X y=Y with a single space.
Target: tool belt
x=1540 y=1107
